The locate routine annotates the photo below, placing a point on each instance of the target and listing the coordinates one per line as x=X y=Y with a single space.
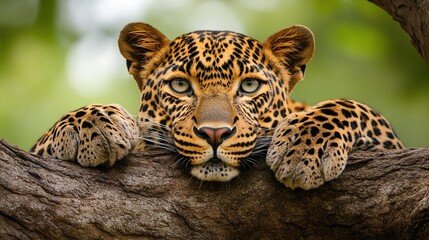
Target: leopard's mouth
x=214 y=170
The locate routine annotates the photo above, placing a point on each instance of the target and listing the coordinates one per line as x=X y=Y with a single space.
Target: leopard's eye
x=180 y=85
x=250 y=85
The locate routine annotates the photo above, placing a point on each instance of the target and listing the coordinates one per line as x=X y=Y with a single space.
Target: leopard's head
x=211 y=95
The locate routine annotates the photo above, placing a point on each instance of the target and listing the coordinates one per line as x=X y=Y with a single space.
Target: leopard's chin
x=214 y=170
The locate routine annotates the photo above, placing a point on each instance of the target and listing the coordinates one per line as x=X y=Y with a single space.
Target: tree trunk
x=379 y=195
x=413 y=15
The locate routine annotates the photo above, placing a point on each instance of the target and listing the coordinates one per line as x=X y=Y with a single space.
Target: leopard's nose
x=214 y=136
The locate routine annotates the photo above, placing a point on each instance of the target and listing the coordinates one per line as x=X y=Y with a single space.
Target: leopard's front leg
x=312 y=146
x=93 y=135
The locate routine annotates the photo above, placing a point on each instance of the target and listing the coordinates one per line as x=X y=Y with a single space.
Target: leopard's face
x=209 y=95
x=216 y=89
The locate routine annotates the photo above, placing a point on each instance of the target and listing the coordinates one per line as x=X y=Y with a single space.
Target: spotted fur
x=217 y=98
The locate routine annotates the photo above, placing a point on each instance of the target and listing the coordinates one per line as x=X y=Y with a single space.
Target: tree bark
x=413 y=16
x=382 y=195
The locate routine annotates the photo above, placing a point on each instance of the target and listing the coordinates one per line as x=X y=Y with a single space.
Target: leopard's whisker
x=260 y=151
x=250 y=162
x=164 y=142
x=152 y=123
x=180 y=161
x=158 y=145
x=201 y=184
x=227 y=186
x=159 y=137
x=238 y=177
x=190 y=179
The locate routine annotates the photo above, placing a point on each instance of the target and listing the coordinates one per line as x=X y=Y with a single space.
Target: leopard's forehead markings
x=215 y=57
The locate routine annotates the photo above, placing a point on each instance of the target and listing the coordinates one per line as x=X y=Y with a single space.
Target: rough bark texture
x=380 y=195
x=413 y=15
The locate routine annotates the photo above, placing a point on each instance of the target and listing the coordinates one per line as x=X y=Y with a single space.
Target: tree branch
x=379 y=195
x=413 y=16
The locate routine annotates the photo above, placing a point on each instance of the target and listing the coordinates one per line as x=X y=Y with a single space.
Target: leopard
x=218 y=99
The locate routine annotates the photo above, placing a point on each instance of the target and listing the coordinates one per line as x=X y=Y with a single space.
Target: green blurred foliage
x=361 y=54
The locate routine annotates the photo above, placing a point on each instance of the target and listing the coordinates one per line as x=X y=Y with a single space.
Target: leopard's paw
x=305 y=153
x=93 y=135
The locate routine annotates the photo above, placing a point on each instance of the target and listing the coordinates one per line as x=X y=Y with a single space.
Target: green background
x=57 y=56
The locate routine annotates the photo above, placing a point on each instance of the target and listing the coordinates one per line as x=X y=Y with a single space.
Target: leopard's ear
x=139 y=43
x=293 y=47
